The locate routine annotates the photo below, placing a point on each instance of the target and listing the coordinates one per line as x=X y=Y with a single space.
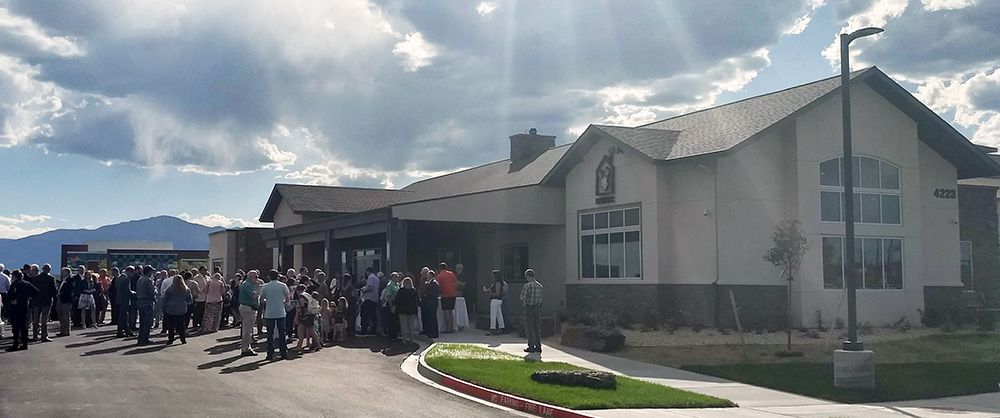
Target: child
x=326 y=321
x=306 y=321
x=340 y=320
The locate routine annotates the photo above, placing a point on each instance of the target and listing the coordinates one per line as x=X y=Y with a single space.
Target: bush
x=866 y=328
x=623 y=320
x=670 y=325
x=819 y=320
x=902 y=324
x=650 y=321
x=986 y=321
x=697 y=328
x=838 y=323
x=814 y=335
x=788 y=354
x=929 y=318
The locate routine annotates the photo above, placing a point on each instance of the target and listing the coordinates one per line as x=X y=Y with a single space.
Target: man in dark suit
x=133 y=310
x=41 y=304
x=123 y=301
x=79 y=281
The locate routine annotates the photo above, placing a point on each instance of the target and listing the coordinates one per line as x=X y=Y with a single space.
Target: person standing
x=65 y=303
x=429 y=303
x=497 y=324
x=249 y=304
x=133 y=309
x=274 y=293
x=123 y=300
x=145 y=296
x=101 y=297
x=87 y=304
x=214 y=290
x=405 y=302
x=201 y=297
x=4 y=287
x=449 y=292
x=20 y=292
x=390 y=320
x=176 y=298
x=112 y=294
x=369 y=308
x=41 y=305
x=531 y=296
x=234 y=302
x=192 y=285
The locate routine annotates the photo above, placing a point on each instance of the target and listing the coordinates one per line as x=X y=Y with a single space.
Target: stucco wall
x=636 y=184
x=218 y=247
x=879 y=130
x=546 y=255
x=283 y=216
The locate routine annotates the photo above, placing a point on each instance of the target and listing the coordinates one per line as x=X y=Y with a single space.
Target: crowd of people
x=320 y=310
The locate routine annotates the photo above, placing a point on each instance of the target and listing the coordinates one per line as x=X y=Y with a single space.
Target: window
x=879 y=262
x=876 y=191
x=513 y=262
x=610 y=244
x=965 y=260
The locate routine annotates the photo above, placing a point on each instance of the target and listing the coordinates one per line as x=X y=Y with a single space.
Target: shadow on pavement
x=218 y=363
x=94 y=342
x=157 y=346
x=223 y=348
x=108 y=350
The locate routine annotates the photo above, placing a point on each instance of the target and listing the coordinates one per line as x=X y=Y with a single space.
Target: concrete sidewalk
x=753 y=401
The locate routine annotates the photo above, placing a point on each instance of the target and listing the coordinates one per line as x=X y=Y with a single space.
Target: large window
x=876 y=191
x=513 y=262
x=879 y=262
x=965 y=258
x=611 y=244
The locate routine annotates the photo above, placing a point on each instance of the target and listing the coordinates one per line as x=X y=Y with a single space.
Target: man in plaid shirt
x=531 y=296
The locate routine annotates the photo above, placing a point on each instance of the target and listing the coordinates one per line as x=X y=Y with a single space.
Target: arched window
x=876 y=191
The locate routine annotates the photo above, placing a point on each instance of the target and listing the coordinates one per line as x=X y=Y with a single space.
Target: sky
x=116 y=110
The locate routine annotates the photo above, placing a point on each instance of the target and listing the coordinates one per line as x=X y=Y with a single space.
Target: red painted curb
x=510 y=401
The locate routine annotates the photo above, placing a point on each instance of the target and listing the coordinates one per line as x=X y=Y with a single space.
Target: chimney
x=524 y=148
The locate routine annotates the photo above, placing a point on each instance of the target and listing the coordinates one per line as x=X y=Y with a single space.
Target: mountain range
x=46 y=247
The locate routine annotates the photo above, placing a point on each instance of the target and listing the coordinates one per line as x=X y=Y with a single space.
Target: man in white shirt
x=274 y=294
x=199 y=303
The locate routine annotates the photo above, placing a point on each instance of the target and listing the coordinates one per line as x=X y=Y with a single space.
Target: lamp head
x=861 y=33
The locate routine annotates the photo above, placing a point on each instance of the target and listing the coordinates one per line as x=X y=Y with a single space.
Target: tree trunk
x=788 y=313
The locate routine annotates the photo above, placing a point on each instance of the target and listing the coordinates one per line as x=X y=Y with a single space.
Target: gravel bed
x=687 y=337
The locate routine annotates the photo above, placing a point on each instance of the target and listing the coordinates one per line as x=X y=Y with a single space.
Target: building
x=96 y=255
x=668 y=218
x=239 y=248
x=979 y=246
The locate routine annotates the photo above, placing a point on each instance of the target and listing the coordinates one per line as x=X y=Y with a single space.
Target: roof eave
x=271 y=206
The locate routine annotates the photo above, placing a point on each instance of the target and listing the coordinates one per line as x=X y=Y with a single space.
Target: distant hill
x=45 y=247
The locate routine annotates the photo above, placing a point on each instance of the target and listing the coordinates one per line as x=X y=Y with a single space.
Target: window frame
x=972 y=265
x=861 y=281
x=594 y=232
x=515 y=277
x=860 y=192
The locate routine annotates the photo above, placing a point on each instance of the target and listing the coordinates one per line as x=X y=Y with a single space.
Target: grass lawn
x=894 y=381
x=512 y=374
x=921 y=368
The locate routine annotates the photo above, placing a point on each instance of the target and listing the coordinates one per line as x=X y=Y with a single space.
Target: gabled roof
x=303 y=198
x=722 y=128
x=485 y=178
x=343 y=200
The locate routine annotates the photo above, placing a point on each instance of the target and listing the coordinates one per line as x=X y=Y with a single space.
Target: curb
x=493 y=396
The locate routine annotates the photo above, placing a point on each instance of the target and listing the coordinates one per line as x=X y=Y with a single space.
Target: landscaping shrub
x=986 y=321
x=623 y=320
x=819 y=320
x=929 y=318
x=866 y=328
x=650 y=321
x=697 y=328
x=838 y=323
x=902 y=324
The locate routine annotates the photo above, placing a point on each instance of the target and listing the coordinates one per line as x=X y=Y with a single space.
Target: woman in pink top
x=214 y=290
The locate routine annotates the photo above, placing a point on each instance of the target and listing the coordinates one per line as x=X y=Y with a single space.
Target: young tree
x=789 y=249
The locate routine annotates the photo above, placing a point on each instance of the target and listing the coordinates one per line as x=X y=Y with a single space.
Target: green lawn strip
x=512 y=374
x=894 y=381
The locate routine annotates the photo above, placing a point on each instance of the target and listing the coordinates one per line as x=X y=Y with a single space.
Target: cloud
x=485 y=8
x=366 y=91
x=20 y=226
x=947 y=48
x=216 y=219
x=26 y=34
x=415 y=51
x=803 y=21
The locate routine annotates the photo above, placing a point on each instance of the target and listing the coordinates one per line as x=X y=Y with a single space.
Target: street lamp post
x=853 y=366
x=850 y=269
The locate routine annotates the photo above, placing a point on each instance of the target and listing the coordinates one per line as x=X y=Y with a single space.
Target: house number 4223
x=944 y=193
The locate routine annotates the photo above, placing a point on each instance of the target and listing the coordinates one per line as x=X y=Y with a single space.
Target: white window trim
x=843 y=264
x=861 y=190
x=580 y=233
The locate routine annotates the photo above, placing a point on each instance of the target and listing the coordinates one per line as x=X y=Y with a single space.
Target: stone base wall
x=689 y=304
